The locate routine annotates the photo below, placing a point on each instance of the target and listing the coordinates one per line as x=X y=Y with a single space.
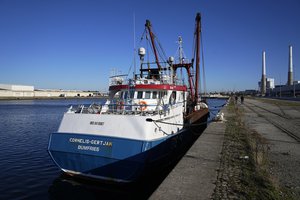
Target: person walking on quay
x=242 y=99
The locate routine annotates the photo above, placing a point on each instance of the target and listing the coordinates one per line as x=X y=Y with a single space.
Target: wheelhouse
x=144 y=94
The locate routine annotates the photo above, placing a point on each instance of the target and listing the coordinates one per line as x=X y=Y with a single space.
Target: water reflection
x=68 y=187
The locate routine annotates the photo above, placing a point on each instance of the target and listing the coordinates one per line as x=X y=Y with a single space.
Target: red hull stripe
x=150 y=87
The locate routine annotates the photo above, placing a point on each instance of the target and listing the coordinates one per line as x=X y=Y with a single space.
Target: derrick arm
x=148 y=26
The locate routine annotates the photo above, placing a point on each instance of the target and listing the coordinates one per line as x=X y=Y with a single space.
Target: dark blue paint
x=124 y=159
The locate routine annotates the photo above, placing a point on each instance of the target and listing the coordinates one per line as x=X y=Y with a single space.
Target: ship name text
x=86 y=144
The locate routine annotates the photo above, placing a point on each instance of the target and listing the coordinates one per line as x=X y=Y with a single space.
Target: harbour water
x=27 y=171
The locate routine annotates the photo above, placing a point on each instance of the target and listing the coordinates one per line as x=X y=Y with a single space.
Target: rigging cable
x=162 y=54
x=134 y=58
x=147 y=46
x=204 y=79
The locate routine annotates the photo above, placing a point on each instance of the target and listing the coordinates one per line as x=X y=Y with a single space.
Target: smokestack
x=290 y=73
x=263 y=77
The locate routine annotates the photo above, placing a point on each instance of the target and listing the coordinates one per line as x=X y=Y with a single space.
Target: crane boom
x=149 y=27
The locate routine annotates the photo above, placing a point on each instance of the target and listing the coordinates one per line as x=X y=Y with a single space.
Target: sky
x=74 y=44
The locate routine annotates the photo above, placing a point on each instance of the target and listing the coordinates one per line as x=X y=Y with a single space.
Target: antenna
x=134 y=47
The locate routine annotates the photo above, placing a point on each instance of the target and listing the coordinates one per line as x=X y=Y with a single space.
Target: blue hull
x=101 y=157
x=114 y=159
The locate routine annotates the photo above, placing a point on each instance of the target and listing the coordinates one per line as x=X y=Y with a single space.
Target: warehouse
x=25 y=91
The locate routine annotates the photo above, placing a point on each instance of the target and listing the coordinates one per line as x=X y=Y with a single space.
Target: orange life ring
x=143 y=105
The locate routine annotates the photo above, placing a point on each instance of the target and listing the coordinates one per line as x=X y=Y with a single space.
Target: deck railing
x=122 y=80
x=117 y=108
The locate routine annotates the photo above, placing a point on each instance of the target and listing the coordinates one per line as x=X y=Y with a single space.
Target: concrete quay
x=278 y=123
x=195 y=175
x=253 y=155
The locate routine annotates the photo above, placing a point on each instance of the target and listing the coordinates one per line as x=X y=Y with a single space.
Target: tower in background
x=290 y=72
x=263 y=77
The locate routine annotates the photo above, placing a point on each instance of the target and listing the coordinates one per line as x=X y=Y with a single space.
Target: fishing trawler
x=144 y=120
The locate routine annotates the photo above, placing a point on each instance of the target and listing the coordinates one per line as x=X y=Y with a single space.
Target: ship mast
x=181 y=57
x=193 y=81
x=198 y=30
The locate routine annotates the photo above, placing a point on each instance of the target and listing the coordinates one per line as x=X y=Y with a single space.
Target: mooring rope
x=175 y=124
x=189 y=125
x=219 y=106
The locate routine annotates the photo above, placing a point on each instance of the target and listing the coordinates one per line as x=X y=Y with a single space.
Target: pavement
x=275 y=123
x=195 y=175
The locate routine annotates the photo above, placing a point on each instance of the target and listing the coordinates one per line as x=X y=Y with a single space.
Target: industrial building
x=285 y=90
x=25 y=91
x=270 y=83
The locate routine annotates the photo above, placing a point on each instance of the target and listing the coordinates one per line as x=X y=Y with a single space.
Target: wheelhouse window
x=131 y=94
x=140 y=95
x=147 y=94
x=154 y=95
x=121 y=95
x=172 y=98
x=162 y=94
x=125 y=95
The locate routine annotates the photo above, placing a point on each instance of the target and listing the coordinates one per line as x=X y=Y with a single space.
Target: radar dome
x=171 y=59
x=142 y=51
